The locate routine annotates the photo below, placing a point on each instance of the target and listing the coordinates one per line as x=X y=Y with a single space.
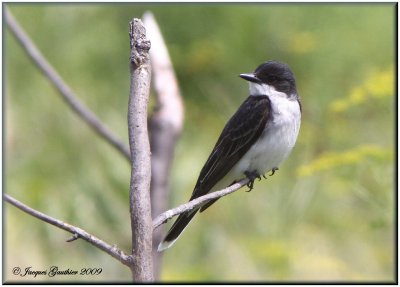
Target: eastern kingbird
x=256 y=140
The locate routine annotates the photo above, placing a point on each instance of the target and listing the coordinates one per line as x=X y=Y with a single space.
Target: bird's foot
x=251 y=175
x=273 y=171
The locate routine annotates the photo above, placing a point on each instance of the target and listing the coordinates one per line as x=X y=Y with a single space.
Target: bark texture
x=139 y=194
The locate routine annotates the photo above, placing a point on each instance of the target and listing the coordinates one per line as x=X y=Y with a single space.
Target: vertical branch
x=165 y=127
x=139 y=195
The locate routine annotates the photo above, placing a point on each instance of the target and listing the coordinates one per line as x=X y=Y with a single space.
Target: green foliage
x=327 y=214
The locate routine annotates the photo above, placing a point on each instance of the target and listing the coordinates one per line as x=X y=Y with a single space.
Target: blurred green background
x=328 y=214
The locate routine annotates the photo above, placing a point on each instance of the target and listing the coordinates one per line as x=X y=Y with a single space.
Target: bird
x=256 y=139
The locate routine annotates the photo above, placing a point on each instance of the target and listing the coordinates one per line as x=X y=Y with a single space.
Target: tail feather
x=177 y=228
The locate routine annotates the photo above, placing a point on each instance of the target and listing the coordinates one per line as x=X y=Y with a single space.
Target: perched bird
x=256 y=140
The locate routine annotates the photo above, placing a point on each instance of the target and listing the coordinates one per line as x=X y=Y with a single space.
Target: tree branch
x=139 y=193
x=165 y=127
x=112 y=249
x=76 y=231
x=65 y=91
x=164 y=217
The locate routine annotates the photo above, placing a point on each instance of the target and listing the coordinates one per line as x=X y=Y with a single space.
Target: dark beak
x=250 y=77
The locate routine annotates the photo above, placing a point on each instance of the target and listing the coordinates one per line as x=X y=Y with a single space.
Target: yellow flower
x=377 y=85
x=332 y=159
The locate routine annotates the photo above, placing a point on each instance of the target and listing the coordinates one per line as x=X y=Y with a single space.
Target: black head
x=273 y=73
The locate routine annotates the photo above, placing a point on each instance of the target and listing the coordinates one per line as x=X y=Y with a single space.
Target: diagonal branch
x=164 y=217
x=76 y=231
x=65 y=91
x=112 y=249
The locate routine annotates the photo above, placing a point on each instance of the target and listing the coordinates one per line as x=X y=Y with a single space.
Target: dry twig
x=65 y=91
x=139 y=193
x=164 y=217
x=169 y=117
x=76 y=231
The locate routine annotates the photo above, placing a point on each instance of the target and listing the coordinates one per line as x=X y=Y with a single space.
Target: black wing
x=238 y=135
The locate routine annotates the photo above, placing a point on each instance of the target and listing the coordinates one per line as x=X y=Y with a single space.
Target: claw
x=250 y=185
x=251 y=176
x=273 y=171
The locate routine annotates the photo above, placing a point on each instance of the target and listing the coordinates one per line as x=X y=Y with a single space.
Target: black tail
x=177 y=228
